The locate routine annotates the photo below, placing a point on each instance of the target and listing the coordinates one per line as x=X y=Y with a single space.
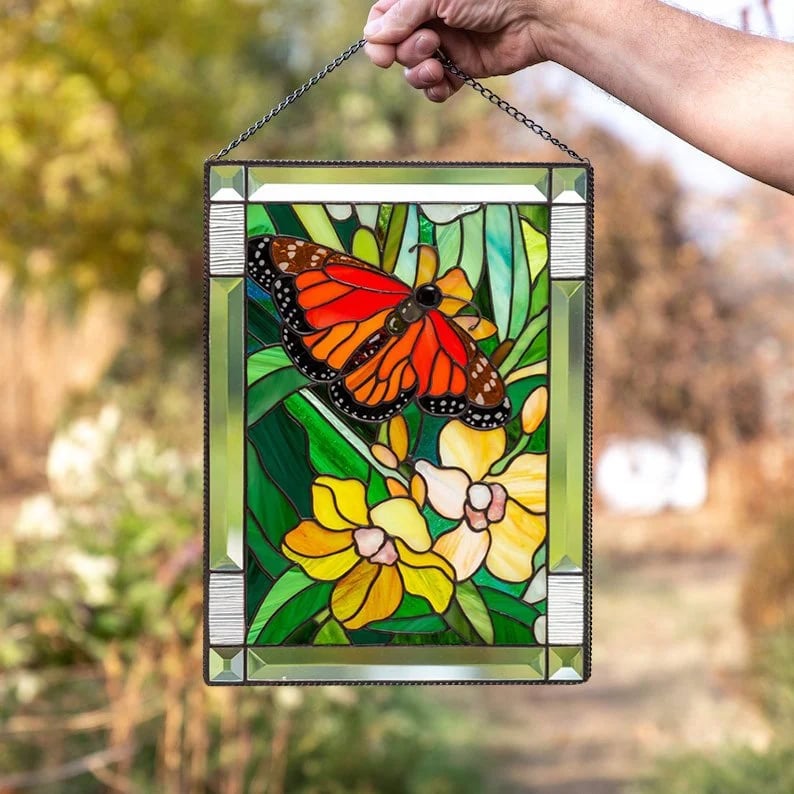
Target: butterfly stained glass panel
x=397 y=422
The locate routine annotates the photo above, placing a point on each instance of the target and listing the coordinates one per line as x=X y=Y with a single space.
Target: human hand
x=482 y=37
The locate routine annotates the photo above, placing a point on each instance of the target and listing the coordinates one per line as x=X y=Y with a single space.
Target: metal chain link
x=492 y=97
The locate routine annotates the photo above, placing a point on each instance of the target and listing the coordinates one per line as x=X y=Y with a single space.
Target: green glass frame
x=566 y=194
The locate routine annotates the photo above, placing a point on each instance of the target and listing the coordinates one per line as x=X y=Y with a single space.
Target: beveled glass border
x=415 y=182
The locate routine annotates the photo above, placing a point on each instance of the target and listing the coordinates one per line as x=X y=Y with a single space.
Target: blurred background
x=107 y=111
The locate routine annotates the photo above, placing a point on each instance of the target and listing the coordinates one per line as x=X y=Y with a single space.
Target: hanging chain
x=511 y=111
x=288 y=100
x=492 y=97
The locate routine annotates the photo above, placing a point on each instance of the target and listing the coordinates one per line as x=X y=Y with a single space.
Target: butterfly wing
x=461 y=380
x=333 y=306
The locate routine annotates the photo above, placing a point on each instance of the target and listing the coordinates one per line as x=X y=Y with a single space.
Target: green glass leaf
x=331 y=633
x=536 y=246
x=256 y=584
x=365 y=246
x=499 y=251
x=405 y=267
x=442 y=638
x=316 y=221
x=425 y=231
x=519 y=305
x=508 y=631
x=472 y=247
x=473 y=607
x=505 y=604
x=259 y=221
x=449 y=239
x=486 y=578
x=335 y=449
x=425 y=624
x=266 y=361
x=261 y=547
x=294 y=613
x=392 y=222
x=262 y=319
x=286 y=587
x=537 y=214
x=540 y=293
x=527 y=349
x=281 y=448
x=285 y=220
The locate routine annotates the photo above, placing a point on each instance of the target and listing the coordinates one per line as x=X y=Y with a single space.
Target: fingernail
x=372 y=27
x=426 y=73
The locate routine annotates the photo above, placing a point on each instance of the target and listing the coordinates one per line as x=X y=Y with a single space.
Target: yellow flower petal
x=401 y=518
x=428 y=582
x=525 y=481
x=472 y=450
x=323 y=554
x=514 y=541
x=369 y=592
x=427 y=265
x=395 y=487
x=464 y=548
x=476 y=327
x=398 y=437
x=454 y=284
x=451 y=306
x=446 y=488
x=339 y=504
x=423 y=559
x=418 y=490
x=384 y=455
x=541 y=368
x=313 y=540
x=534 y=410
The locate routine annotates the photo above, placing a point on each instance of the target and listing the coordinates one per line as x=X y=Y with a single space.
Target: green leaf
x=536 y=246
x=271 y=378
x=286 y=587
x=442 y=638
x=266 y=361
x=318 y=224
x=485 y=577
x=519 y=305
x=540 y=293
x=258 y=221
x=473 y=607
x=262 y=321
x=391 y=224
x=508 y=631
x=472 y=247
x=499 y=251
x=295 y=613
x=405 y=267
x=331 y=633
x=365 y=246
x=426 y=624
x=269 y=507
x=537 y=215
x=449 y=238
x=281 y=448
x=525 y=351
x=262 y=547
x=511 y=606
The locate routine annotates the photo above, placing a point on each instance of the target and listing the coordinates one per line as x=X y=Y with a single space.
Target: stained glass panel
x=413 y=378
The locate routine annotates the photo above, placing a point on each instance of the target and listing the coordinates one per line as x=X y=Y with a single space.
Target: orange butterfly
x=376 y=342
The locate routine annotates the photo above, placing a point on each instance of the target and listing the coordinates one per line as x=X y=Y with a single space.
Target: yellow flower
x=502 y=515
x=374 y=554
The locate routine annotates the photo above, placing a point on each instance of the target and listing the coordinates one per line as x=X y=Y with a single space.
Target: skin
x=730 y=94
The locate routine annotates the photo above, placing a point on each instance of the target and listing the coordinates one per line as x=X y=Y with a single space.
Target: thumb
x=398 y=20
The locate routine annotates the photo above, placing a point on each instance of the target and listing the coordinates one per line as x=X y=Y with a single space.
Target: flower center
x=375 y=545
x=485 y=504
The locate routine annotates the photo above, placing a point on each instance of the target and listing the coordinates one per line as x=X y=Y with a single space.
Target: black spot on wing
x=260 y=266
x=306 y=363
x=347 y=404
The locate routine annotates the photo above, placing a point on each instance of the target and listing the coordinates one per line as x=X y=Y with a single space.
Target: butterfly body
x=376 y=342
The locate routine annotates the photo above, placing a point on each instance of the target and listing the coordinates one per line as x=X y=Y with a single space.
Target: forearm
x=728 y=93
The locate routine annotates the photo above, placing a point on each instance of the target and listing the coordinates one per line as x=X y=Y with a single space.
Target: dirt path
x=669 y=656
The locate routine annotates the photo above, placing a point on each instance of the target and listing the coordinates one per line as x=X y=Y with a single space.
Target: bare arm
x=730 y=94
